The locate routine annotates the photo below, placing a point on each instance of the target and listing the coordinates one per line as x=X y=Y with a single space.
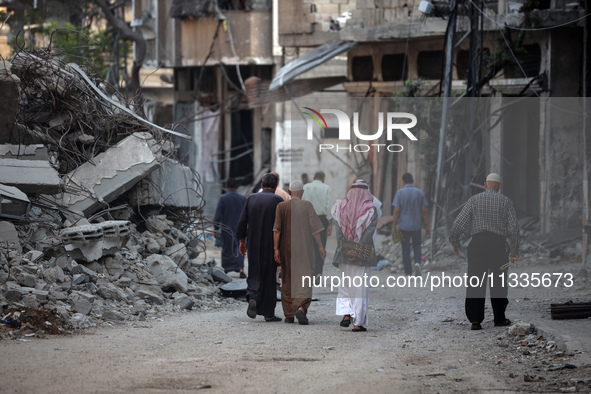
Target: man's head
x=493 y=181
x=231 y=184
x=305 y=178
x=296 y=189
x=277 y=175
x=270 y=181
x=319 y=176
x=407 y=178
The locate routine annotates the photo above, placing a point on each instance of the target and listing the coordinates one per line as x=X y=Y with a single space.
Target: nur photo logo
x=389 y=119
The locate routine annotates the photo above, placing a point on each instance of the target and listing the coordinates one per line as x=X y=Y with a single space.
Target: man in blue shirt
x=410 y=209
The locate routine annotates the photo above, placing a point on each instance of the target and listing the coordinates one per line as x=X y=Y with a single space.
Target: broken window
x=393 y=66
x=362 y=68
x=430 y=64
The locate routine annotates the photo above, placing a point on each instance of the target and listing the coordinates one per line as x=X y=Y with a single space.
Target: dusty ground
x=417 y=342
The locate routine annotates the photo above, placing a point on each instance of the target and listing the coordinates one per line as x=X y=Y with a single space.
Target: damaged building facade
x=387 y=44
x=213 y=49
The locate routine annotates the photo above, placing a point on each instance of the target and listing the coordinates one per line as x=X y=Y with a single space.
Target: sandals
x=359 y=329
x=272 y=319
x=505 y=323
x=345 y=322
x=301 y=316
x=476 y=326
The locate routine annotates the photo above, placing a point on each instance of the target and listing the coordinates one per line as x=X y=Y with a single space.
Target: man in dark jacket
x=255 y=232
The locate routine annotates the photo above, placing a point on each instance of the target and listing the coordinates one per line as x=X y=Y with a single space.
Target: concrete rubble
x=100 y=223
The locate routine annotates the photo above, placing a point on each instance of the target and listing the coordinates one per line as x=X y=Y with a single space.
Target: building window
x=430 y=64
x=362 y=68
x=392 y=66
x=530 y=59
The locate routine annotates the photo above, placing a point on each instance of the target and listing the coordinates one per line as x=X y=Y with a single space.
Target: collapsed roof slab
x=171 y=185
x=109 y=175
x=30 y=176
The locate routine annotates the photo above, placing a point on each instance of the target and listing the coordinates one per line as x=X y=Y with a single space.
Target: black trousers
x=319 y=264
x=487 y=253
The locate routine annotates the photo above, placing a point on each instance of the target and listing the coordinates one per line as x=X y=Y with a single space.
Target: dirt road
x=416 y=343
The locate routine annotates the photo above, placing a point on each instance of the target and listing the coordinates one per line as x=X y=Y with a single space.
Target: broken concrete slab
x=184 y=302
x=171 y=185
x=168 y=275
x=149 y=296
x=30 y=176
x=112 y=315
x=34 y=256
x=234 y=289
x=218 y=274
x=110 y=174
x=27 y=152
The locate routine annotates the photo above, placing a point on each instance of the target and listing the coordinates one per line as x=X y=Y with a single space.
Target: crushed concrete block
x=178 y=253
x=81 y=302
x=114 y=267
x=112 y=315
x=111 y=174
x=26 y=280
x=139 y=306
x=152 y=246
x=30 y=176
x=149 y=297
x=30 y=301
x=82 y=306
x=78 y=279
x=171 y=185
x=13 y=292
x=62 y=262
x=168 y=275
x=110 y=292
x=218 y=274
x=34 y=256
x=159 y=223
x=80 y=269
x=521 y=329
x=184 y=302
x=92 y=241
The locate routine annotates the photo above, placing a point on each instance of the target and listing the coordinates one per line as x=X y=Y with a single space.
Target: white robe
x=354 y=300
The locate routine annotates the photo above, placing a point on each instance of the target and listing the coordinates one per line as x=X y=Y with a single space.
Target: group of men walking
x=277 y=230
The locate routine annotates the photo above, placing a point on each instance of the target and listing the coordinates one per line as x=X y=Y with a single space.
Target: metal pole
x=585 y=167
x=449 y=60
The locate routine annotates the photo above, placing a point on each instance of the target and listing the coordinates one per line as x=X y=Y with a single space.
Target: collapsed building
x=98 y=219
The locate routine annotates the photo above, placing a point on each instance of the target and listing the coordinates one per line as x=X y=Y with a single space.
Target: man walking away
x=296 y=227
x=319 y=194
x=410 y=210
x=491 y=219
x=226 y=219
x=255 y=232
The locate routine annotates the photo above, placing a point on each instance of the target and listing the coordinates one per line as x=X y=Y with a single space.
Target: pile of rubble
x=98 y=221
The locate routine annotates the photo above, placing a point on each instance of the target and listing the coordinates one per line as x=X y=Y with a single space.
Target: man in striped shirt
x=490 y=219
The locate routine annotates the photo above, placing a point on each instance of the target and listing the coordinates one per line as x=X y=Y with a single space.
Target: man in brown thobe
x=296 y=234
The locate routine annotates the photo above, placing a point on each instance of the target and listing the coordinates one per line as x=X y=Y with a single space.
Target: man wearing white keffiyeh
x=356 y=218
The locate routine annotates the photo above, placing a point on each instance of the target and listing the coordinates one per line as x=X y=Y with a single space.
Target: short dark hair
x=305 y=175
x=270 y=180
x=407 y=178
x=231 y=183
x=319 y=175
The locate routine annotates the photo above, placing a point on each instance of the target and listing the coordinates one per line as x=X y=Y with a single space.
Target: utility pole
x=449 y=61
x=585 y=125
